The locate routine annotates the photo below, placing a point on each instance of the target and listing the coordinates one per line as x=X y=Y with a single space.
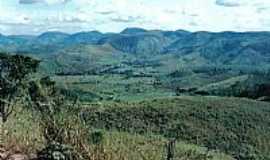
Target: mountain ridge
x=228 y=47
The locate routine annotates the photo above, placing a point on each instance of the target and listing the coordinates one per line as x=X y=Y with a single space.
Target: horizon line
x=147 y=30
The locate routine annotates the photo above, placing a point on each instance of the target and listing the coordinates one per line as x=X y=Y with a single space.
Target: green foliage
x=237 y=127
x=45 y=98
x=17 y=66
x=250 y=86
x=14 y=70
x=96 y=137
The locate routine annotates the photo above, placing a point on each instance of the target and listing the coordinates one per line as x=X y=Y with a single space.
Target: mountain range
x=223 y=47
x=180 y=47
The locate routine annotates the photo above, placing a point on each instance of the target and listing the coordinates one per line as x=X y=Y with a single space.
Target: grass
x=24 y=135
x=113 y=87
x=137 y=147
x=239 y=127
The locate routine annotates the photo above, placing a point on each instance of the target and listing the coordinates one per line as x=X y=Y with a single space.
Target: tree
x=14 y=70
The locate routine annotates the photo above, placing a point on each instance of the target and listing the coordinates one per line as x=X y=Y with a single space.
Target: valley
x=134 y=91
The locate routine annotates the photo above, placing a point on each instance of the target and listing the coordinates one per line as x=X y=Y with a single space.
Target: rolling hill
x=223 y=47
x=173 y=60
x=201 y=88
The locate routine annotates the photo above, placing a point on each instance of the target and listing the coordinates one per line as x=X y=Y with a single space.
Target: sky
x=38 y=16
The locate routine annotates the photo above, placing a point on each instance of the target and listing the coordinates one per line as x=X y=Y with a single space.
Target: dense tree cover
x=14 y=70
x=237 y=127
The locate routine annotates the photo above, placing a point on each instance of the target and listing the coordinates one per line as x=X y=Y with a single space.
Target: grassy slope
x=134 y=147
x=238 y=85
x=24 y=135
x=239 y=127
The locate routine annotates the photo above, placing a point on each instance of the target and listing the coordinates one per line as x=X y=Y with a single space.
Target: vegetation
x=236 y=127
x=137 y=95
x=113 y=145
x=14 y=71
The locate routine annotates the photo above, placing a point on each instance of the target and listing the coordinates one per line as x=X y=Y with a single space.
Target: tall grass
x=24 y=134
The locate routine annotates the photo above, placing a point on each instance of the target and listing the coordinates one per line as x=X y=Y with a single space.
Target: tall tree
x=14 y=70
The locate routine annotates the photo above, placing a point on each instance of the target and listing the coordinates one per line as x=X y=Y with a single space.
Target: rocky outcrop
x=10 y=155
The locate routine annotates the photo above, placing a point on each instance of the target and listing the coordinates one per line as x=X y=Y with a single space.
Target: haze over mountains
x=250 y=48
x=208 y=63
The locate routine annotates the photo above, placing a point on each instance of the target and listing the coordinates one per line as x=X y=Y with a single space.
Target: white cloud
x=237 y=3
x=49 y=2
x=115 y=15
x=228 y=3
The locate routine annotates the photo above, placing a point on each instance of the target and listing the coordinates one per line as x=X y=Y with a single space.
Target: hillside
x=240 y=86
x=226 y=48
x=126 y=95
x=111 y=145
x=238 y=127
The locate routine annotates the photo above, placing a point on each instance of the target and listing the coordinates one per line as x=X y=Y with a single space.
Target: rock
x=33 y=156
x=56 y=151
x=18 y=157
x=3 y=155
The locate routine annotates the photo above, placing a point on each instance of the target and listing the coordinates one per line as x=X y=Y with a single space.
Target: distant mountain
x=133 y=31
x=175 y=35
x=85 y=38
x=140 y=43
x=225 y=47
x=11 y=43
x=228 y=48
x=51 y=38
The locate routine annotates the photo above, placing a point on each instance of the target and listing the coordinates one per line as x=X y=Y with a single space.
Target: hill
x=238 y=127
x=241 y=86
x=225 y=48
x=143 y=86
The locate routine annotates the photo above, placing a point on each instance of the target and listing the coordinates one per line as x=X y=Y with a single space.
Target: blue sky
x=37 y=16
